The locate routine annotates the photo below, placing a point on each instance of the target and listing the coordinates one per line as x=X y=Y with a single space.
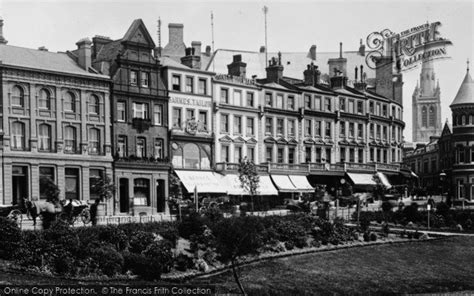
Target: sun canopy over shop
x=292 y=183
x=233 y=185
x=362 y=179
x=383 y=178
x=205 y=182
x=301 y=183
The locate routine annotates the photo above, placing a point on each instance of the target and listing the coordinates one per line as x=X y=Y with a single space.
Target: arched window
x=177 y=154
x=424 y=117
x=18 y=97
x=455 y=120
x=94 y=141
x=69 y=102
x=463 y=120
x=44 y=136
x=470 y=119
x=94 y=105
x=459 y=120
x=432 y=116
x=191 y=156
x=44 y=99
x=17 y=140
x=70 y=139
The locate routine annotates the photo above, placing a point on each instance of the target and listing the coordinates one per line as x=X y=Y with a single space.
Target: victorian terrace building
x=55 y=123
x=140 y=120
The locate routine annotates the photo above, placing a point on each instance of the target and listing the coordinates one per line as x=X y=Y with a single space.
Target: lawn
x=418 y=267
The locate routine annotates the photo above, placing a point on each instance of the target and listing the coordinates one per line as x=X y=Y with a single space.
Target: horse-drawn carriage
x=68 y=211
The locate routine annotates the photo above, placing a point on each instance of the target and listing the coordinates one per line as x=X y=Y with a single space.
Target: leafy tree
x=249 y=178
x=103 y=187
x=49 y=189
x=236 y=237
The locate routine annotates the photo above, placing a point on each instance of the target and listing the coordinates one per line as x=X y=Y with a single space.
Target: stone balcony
x=315 y=168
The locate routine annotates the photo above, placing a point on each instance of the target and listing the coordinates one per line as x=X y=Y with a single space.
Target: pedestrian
x=94 y=212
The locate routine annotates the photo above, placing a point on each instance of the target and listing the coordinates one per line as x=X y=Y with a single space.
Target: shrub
x=63 y=263
x=140 y=240
x=113 y=235
x=366 y=237
x=385 y=229
x=108 y=259
x=411 y=212
x=364 y=223
x=468 y=224
x=183 y=262
x=289 y=245
x=373 y=236
x=142 y=266
x=315 y=243
x=416 y=235
x=442 y=209
x=10 y=238
x=291 y=231
x=160 y=252
x=191 y=224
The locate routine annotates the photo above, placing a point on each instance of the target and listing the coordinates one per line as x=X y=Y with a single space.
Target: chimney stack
x=262 y=49
x=208 y=50
x=98 y=43
x=42 y=48
x=274 y=69
x=312 y=75
x=338 y=64
x=361 y=84
x=361 y=48
x=237 y=67
x=175 y=47
x=312 y=52
x=191 y=60
x=196 y=45
x=84 y=53
x=2 y=39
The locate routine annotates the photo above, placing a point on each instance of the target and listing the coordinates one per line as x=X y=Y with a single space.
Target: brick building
x=139 y=119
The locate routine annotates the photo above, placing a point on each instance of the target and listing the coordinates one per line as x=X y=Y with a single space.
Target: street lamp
x=442 y=177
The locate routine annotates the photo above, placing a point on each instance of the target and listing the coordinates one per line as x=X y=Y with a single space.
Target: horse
x=38 y=207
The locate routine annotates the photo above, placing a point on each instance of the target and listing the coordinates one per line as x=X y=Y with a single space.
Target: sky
x=292 y=26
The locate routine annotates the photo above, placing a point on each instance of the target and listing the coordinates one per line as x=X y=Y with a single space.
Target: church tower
x=426 y=105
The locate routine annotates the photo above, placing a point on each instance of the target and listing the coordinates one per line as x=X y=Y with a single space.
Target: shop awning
x=362 y=179
x=206 y=182
x=283 y=183
x=301 y=183
x=383 y=178
x=266 y=187
x=232 y=184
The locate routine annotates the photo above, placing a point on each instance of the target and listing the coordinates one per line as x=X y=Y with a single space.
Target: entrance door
x=124 y=198
x=19 y=183
x=160 y=195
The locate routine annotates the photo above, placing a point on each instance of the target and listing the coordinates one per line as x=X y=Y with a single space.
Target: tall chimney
x=311 y=75
x=361 y=48
x=84 y=53
x=175 y=47
x=98 y=43
x=312 y=52
x=274 y=69
x=2 y=39
x=338 y=65
x=262 y=49
x=191 y=60
x=237 y=67
x=360 y=85
x=355 y=76
x=196 y=45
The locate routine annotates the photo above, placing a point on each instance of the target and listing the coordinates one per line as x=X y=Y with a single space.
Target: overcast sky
x=292 y=26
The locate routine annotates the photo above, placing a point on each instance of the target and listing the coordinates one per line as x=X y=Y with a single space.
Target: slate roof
x=42 y=60
x=465 y=93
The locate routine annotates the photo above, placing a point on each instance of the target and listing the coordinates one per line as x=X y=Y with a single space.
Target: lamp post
x=442 y=178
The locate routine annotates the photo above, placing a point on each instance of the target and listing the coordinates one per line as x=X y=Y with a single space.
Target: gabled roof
x=139 y=34
x=446 y=130
x=465 y=93
x=42 y=60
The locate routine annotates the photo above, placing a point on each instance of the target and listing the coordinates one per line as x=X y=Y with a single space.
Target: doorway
x=160 y=196
x=19 y=183
x=124 y=198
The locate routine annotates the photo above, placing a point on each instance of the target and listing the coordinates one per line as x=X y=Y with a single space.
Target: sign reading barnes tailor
x=410 y=47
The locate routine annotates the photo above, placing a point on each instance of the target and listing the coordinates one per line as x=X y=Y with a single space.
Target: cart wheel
x=85 y=216
x=16 y=216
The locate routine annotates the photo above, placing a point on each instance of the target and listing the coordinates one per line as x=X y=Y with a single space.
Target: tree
x=249 y=178
x=103 y=187
x=236 y=237
x=49 y=189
